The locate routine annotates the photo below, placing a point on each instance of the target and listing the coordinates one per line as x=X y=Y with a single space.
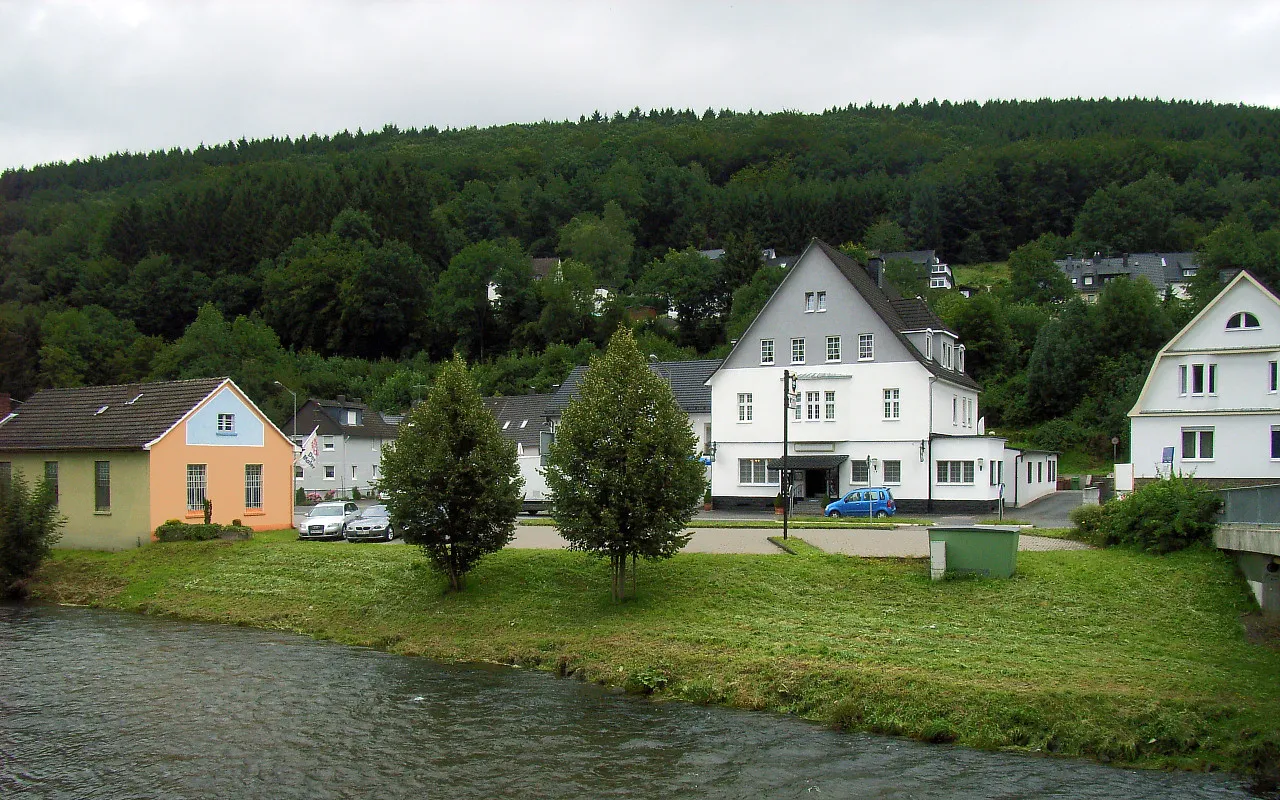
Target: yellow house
x=126 y=458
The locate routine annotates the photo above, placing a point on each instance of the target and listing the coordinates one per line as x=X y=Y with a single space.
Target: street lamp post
x=788 y=396
x=295 y=408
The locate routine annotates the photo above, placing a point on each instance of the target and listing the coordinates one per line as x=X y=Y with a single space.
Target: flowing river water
x=96 y=704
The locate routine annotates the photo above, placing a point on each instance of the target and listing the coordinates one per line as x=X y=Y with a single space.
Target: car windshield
x=326 y=511
x=375 y=511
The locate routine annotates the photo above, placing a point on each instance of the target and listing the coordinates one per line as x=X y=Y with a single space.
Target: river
x=97 y=704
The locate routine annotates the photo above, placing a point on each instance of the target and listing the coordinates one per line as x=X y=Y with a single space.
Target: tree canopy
x=622 y=470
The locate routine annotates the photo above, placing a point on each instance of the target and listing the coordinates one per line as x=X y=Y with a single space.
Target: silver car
x=373 y=525
x=327 y=520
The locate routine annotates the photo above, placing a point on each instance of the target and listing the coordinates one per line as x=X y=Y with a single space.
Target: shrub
x=208 y=511
x=1089 y=519
x=300 y=497
x=355 y=493
x=174 y=530
x=29 y=524
x=1161 y=517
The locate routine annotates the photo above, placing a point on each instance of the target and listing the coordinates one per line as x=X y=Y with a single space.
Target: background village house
x=351 y=436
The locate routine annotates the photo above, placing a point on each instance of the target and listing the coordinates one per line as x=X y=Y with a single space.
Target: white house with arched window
x=1210 y=406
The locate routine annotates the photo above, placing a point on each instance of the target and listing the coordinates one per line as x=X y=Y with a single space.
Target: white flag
x=309 y=453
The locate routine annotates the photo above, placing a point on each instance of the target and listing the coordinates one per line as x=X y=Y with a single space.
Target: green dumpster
x=1075 y=481
x=990 y=550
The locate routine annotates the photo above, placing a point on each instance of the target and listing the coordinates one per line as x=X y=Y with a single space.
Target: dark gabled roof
x=687 y=378
x=917 y=316
x=1161 y=269
x=73 y=419
x=542 y=266
x=884 y=304
x=926 y=257
x=520 y=416
x=315 y=415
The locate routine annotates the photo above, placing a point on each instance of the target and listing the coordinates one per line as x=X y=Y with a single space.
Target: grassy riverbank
x=1109 y=654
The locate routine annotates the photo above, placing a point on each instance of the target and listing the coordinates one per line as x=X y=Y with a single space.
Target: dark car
x=373 y=525
x=873 y=501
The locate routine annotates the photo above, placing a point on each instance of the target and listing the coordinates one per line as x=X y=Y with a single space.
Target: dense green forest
x=352 y=263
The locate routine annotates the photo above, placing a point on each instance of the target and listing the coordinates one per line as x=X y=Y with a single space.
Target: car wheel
x=834 y=514
x=391 y=535
x=882 y=513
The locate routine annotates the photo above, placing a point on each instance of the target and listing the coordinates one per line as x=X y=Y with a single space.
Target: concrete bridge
x=1249 y=529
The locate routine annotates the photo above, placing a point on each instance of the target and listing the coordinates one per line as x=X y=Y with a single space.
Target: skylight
x=99 y=411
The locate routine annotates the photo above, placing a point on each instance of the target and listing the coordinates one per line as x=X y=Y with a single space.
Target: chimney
x=5 y=406
x=342 y=398
x=875 y=268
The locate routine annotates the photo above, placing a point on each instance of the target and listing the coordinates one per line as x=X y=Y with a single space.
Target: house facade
x=1209 y=407
x=880 y=397
x=522 y=419
x=351 y=436
x=126 y=458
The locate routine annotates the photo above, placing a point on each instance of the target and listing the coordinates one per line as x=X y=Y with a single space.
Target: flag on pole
x=309 y=452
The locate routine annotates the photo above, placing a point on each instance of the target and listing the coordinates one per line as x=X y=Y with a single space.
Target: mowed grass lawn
x=1115 y=655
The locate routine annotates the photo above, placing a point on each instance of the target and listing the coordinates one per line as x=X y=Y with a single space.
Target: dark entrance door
x=815 y=483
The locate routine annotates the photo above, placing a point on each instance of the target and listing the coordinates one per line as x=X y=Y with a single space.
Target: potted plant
x=706 y=500
x=777 y=504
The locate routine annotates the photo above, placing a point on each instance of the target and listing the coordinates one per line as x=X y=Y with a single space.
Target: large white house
x=1210 y=407
x=883 y=399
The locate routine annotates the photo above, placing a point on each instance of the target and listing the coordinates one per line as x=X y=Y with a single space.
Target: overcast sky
x=92 y=77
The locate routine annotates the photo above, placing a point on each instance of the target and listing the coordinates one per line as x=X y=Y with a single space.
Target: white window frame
x=928 y=345
x=226 y=424
x=822 y=302
x=253 y=487
x=859 y=472
x=829 y=406
x=1199 y=439
x=866 y=347
x=955 y=410
x=892 y=481
x=797 y=350
x=960 y=358
x=1275 y=442
x=354 y=468
x=810 y=302
x=813 y=406
x=956 y=472
x=892 y=404
x=1242 y=320
x=758 y=467
x=197 y=486
x=330 y=472
x=1197 y=368
x=833 y=349
x=326 y=443
x=766 y=351
x=744 y=406
x=1183 y=381
x=1272 y=376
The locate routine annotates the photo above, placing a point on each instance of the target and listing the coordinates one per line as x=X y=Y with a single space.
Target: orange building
x=126 y=458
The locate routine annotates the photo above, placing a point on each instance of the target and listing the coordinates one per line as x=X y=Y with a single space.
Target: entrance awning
x=827 y=461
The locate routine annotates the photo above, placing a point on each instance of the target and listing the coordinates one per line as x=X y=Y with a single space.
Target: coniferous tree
x=452 y=481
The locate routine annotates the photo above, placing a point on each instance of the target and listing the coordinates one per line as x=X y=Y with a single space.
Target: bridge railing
x=1254 y=505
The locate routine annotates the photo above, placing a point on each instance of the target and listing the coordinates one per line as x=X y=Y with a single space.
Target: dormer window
x=928 y=345
x=352 y=416
x=1242 y=320
x=1088 y=280
x=960 y=359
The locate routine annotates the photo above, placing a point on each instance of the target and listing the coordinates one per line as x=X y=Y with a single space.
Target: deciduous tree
x=622 y=471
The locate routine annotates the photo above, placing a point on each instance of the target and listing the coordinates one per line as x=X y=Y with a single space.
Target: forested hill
x=341 y=251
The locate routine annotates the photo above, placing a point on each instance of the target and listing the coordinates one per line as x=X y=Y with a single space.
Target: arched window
x=1241 y=321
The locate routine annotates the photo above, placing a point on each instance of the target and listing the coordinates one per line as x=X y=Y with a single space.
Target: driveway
x=910 y=542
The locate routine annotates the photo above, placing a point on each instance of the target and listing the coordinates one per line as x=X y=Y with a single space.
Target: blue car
x=876 y=501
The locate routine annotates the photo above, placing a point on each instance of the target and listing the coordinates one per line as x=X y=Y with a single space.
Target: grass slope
x=1114 y=655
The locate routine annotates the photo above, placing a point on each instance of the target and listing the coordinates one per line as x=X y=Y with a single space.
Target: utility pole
x=788 y=396
x=295 y=408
